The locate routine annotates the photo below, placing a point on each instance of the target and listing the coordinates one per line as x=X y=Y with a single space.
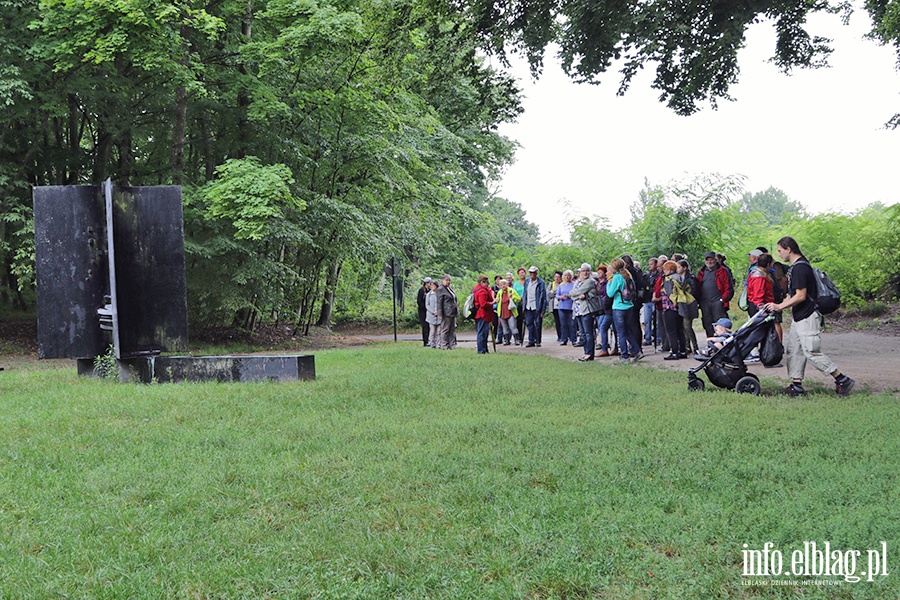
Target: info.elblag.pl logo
x=816 y=560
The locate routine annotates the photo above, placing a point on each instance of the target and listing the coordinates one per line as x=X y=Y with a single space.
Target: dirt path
x=872 y=360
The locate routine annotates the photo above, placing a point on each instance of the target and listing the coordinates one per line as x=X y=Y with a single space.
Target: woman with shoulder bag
x=584 y=293
x=507 y=308
x=672 y=296
x=619 y=277
x=691 y=310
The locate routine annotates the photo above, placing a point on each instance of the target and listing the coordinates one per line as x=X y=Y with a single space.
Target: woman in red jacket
x=484 y=312
x=760 y=286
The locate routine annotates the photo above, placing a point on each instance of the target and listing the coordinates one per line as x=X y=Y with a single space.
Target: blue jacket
x=541 y=295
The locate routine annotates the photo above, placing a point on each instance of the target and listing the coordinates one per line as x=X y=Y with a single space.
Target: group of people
x=616 y=309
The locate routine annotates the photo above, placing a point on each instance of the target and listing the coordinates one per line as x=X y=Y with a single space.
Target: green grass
x=409 y=473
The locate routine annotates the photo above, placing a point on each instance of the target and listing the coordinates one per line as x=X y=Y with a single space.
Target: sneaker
x=624 y=359
x=794 y=390
x=529 y=345
x=638 y=357
x=671 y=357
x=538 y=344
x=843 y=385
x=752 y=359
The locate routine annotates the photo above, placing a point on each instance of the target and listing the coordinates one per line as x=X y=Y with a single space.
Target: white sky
x=817 y=134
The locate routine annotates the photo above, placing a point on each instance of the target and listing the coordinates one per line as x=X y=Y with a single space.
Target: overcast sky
x=816 y=134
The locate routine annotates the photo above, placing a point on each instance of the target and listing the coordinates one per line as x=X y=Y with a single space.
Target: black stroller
x=726 y=368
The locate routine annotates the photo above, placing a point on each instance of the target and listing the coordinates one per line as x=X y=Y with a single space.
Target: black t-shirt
x=800 y=276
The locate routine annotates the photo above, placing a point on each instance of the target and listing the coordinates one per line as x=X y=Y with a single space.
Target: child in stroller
x=726 y=368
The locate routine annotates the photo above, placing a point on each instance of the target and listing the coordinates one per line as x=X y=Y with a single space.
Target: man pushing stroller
x=803 y=341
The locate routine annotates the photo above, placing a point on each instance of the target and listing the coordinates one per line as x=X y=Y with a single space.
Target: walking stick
x=653 y=328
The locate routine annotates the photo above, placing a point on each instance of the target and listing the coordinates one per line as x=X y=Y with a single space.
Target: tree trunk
x=243 y=99
x=101 y=155
x=179 y=120
x=74 y=136
x=126 y=158
x=178 y=133
x=331 y=281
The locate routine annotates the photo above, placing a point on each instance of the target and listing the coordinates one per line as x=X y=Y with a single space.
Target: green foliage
x=250 y=196
x=693 y=45
x=856 y=251
x=307 y=135
x=773 y=204
x=510 y=227
x=105 y=366
x=693 y=217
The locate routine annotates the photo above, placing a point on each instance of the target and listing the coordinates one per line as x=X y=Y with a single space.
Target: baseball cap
x=709 y=255
x=755 y=252
x=426 y=280
x=723 y=322
x=533 y=269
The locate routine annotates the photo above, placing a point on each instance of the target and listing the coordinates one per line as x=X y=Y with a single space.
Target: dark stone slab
x=123 y=242
x=149 y=290
x=174 y=369
x=71 y=270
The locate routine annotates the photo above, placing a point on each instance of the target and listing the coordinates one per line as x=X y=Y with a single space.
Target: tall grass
x=409 y=473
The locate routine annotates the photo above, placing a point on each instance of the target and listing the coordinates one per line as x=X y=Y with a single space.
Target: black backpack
x=829 y=299
x=642 y=293
x=771 y=350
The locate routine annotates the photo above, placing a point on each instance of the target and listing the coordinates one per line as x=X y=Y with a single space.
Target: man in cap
x=420 y=302
x=534 y=301
x=714 y=289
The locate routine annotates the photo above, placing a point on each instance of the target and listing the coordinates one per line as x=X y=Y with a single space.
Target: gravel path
x=872 y=360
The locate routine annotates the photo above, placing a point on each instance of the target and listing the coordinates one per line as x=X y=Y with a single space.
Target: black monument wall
x=124 y=242
x=72 y=271
x=150 y=299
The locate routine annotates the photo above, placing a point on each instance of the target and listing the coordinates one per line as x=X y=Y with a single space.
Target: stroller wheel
x=696 y=385
x=748 y=385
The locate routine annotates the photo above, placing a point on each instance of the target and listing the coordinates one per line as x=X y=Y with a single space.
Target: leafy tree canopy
x=693 y=44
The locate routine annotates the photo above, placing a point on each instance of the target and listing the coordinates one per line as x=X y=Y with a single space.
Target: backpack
x=469 y=307
x=829 y=299
x=730 y=282
x=645 y=292
x=628 y=291
x=693 y=283
x=771 y=350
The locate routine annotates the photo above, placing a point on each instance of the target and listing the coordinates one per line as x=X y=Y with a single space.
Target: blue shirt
x=561 y=290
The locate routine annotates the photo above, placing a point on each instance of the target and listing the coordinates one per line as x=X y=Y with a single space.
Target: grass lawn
x=409 y=473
